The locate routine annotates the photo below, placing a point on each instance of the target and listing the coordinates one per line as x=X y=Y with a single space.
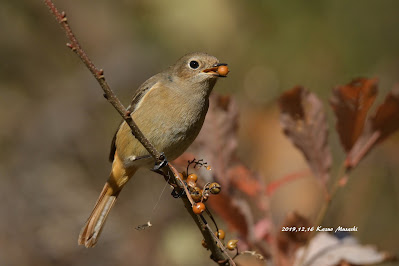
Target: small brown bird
x=170 y=109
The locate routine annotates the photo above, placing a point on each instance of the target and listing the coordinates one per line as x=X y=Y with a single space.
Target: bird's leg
x=162 y=162
x=175 y=192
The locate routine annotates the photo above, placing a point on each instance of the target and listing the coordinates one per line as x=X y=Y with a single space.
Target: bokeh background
x=56 y=128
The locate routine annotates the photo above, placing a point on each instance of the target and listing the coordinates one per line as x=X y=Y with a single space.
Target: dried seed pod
x=215 y=188
x=220 y=234
x=192 y=177
x=205 y=195
x=196 y=194
x=191 y=184
x=192 y=180
x=232 y=244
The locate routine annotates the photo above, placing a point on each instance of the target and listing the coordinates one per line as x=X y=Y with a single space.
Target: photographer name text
x=318 y=229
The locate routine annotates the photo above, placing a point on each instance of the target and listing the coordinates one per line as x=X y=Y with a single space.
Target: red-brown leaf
x=240 y=203
x=351 y=103
x=386 y=119
x=377 y=128
x=304 y=122
x=243 y=179
x=217 y=141
x=233 y=216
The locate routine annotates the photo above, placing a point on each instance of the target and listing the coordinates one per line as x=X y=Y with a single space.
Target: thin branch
x=218 y=254
x=352 y=161
x=99 y=76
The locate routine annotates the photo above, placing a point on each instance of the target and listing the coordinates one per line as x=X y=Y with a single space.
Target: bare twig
x=218 y=255
x=351 y=161
x=177 y=177
x=99 y=76
x=219 y=252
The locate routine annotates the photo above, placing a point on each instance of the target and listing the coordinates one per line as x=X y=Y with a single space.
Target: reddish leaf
x=232 y=214
x=242 y=179
x=240 y=204
x=217 y=145
x=377 y=128
x=304 y=122
x=291 y=103
x=217 y=141
x=386 y=119
x=351 y=103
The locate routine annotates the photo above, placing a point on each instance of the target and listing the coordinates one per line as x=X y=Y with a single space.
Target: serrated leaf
x=304 y=122
x=378 y=127
x=386 y=119
x=217 y=141
x=351 y=104
x=240 y=202
x=234 y=215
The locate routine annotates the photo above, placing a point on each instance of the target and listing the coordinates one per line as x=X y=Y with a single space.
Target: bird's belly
x=174 y=135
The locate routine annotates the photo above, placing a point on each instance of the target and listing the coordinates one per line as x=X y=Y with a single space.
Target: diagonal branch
x=219 y=255
x=99 y=76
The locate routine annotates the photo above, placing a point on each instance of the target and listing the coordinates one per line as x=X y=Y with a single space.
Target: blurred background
x=56 y=127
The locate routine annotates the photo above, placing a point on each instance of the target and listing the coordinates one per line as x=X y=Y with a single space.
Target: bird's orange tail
x=92 y=229
x=94 y=225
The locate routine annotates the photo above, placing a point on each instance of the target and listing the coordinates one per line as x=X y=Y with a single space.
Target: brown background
x=56 y=128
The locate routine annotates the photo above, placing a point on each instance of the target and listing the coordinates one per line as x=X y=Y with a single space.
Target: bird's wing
x=139 y=94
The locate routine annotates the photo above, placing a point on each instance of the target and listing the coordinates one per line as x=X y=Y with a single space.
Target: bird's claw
x=176 y=194
x=163 y=162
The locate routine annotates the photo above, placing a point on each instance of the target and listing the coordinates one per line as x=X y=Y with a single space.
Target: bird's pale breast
x=169 y=119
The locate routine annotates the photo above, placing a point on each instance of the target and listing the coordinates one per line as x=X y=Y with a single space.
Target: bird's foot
x=162 y=162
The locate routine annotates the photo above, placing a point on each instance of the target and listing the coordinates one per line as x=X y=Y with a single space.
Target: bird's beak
x=218 y=70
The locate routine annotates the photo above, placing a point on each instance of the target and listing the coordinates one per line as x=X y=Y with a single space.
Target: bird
x=169 y=108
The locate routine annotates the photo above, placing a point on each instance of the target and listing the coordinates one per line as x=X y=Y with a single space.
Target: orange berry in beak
x=223 y=70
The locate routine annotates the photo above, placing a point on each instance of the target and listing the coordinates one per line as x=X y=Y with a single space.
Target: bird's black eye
x=194 y=64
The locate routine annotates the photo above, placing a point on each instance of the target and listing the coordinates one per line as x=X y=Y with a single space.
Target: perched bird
x=169 y=108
